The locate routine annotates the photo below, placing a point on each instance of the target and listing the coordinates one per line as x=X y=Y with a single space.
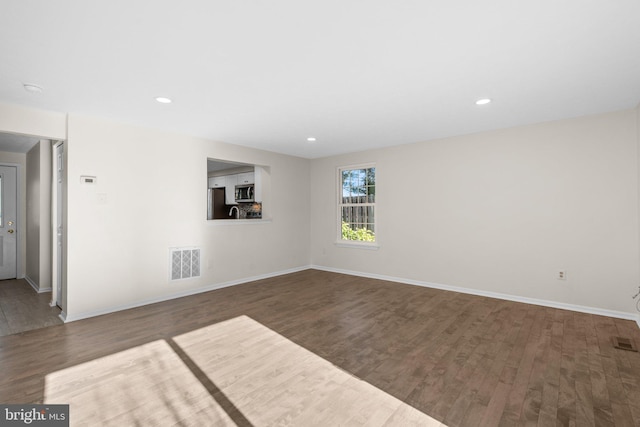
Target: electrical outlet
x=561 y=275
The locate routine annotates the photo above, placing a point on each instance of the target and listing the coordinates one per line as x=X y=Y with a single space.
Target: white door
x=8 y=226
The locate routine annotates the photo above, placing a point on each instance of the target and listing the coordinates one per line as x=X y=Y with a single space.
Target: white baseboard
x=73 y=317
x=35 y=286
x=515 y=298
x=31 y=283
x=545 y=303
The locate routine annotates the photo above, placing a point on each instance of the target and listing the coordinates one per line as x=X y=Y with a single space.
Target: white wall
x=501 y=212
x=45 y=214
x=155 y=185
x=493 y=212
x=38 y=216
x=32 y=262
x=637 y=299
x=21 y=160
x=27 y=121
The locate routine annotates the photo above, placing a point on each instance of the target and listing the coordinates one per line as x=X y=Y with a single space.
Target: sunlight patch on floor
x=274 y=381
x=145 y=385
x=259 y=376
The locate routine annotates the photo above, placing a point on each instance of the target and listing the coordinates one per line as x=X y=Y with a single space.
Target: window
x=357 y=203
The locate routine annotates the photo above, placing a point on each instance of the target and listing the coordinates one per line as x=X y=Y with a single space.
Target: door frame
x=56 y=299
x=20 y=230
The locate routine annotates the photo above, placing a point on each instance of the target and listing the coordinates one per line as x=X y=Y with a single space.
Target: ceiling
x=17 y=143
x=353 y=74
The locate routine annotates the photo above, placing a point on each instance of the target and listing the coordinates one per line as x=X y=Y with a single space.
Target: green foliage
x=359 y=234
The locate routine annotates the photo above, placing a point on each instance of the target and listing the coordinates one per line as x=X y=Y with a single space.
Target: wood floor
x=319 y=348
x=23 y=309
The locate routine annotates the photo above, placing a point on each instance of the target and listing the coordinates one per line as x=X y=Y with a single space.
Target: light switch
x=102 y=198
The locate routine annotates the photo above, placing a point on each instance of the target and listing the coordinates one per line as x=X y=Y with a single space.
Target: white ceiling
x=17 y=143
x=354 y=74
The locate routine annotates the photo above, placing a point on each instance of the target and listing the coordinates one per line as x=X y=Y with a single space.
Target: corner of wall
x=638 y=175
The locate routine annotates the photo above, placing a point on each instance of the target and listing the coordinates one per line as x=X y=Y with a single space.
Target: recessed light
x=163 y=100
x=311 y=139
x=483 y=101
x=32 y=88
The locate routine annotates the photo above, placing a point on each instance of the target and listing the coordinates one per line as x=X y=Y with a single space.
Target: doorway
x=22 y=309
x=26 y=187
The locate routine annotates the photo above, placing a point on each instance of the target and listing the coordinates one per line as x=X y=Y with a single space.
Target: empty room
x=319 y=213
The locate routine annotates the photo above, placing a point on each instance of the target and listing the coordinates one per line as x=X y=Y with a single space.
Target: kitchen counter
x=238 y=221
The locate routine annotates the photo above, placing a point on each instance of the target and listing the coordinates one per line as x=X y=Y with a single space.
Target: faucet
x=237 y=212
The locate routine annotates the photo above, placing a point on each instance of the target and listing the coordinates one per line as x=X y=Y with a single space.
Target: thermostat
x=86 y=179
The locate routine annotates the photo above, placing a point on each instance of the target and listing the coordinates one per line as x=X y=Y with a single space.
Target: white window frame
x=339 y=205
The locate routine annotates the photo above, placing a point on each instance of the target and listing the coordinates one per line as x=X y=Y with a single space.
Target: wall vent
x=184 y=263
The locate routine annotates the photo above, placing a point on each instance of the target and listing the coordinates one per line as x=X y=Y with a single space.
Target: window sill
x=218 y=222
x=357 y=245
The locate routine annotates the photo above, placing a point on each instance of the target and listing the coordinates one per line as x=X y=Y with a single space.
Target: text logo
x=34 y=415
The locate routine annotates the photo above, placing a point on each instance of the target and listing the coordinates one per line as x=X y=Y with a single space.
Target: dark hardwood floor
x=23 y=309
x=463 y=360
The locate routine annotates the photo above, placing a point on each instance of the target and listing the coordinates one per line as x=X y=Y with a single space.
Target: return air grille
x=624 y=344
x=185 y=263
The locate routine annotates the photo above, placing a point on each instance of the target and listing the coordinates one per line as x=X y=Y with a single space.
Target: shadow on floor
x=23 y=309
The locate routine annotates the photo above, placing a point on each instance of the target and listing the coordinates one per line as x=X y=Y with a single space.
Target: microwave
x=244 y=193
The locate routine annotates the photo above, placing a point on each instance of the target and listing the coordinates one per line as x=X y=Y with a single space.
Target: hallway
x=23 y=309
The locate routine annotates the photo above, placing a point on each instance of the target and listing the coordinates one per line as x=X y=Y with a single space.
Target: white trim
x=366 y=165
x=357 y=244
x=54 y=221
x=32 y=283
x=219 y=222
x=544 y=303
x=72 y=318
x=515 y=298
x=36 y=287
